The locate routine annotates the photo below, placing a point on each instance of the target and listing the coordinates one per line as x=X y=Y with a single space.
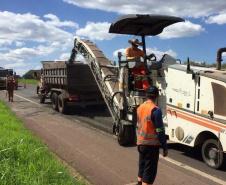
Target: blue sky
x=35 y=30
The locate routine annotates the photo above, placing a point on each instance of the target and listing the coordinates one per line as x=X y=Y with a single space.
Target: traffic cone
x=24 y=86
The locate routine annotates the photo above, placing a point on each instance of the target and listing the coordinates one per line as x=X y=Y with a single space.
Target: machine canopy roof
x=150 y=24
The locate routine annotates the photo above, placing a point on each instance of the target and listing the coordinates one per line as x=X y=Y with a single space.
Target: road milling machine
x=192 y=98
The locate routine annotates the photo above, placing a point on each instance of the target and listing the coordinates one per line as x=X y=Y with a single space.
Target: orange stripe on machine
x=195 y=119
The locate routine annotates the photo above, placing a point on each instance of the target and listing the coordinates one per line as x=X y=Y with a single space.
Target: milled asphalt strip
x=214 y=179
x=55 y=111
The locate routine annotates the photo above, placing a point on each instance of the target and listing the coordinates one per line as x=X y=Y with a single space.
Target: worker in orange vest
x=150 y=135
x=134 y=52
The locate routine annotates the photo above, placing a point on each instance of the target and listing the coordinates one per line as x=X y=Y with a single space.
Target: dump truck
x=68 y=84
x=192 y=98
x=3 y=74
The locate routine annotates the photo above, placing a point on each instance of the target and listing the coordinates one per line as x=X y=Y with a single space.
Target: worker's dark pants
x=10 y=95
x=148 y=163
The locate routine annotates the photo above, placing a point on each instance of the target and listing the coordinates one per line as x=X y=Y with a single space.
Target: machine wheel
x=62 y=105
x=210 y=154
x=55 y=101
x=126 y=134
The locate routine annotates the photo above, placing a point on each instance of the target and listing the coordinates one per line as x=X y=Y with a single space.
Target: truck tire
x=62 y=105
x=126 y=134
x=54 y=101
x=210 y=154
x=37 y=89
x=41 y=98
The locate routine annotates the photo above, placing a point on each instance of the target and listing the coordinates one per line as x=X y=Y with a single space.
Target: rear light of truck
x=73 y=99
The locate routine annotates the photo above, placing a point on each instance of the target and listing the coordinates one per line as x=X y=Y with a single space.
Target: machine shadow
x=90 y=111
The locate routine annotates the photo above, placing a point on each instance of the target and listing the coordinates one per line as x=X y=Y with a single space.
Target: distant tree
x=214 y=65
x=30 y=74
x=194 y=63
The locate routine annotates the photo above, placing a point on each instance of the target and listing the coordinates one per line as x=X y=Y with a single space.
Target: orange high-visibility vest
x=146 y=131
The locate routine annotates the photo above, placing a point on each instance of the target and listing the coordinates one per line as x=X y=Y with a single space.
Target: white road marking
x=55 y=111
x=32 y=102
x=26 y=99
x=212 y=178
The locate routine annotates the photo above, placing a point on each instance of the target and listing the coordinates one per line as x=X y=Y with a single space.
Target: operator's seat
x=131 y=81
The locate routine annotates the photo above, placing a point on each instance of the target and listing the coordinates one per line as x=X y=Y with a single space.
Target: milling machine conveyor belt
x=105 y=73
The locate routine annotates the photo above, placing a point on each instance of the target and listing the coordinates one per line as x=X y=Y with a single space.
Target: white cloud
x=68 y=43
x=123 y=52
x=80 y=58
x=224 y=55
x=4 y=48
x=57 y=23
x=22 y=54
x=17 y=64
x=19 y=43
x=96 y=31
x=22 y=67
x=182 y=29
x=218 y=19
x=20 y=28
x=4 y=41
x=65 y=56
x=22 y=71
x=154 y=50
x=29 y=27
x=159 y=54
x=188 y=8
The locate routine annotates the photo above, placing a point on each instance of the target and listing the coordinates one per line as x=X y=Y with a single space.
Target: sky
x=32 y=31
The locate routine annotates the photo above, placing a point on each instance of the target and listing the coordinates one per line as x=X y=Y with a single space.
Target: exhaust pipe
x=219 y=57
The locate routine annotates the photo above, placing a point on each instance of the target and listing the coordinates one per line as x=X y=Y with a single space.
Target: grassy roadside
x=25 y=159
x=28 y=81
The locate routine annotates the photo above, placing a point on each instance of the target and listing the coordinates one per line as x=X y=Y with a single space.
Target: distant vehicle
x=3 y=74
x=68 y=84
x=10 y=72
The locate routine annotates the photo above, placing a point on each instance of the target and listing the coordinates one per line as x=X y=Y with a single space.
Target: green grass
x=25 y=159
x=28 y=81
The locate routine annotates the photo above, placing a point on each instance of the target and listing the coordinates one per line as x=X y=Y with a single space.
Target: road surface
x=83 y=139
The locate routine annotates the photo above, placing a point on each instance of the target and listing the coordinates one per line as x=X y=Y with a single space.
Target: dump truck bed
x=3 y=74
x=75 y=78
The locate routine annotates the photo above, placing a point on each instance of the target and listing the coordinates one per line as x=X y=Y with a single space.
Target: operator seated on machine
x=138 y=70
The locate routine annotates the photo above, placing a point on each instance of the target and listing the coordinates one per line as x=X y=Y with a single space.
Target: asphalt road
x=83 y=139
